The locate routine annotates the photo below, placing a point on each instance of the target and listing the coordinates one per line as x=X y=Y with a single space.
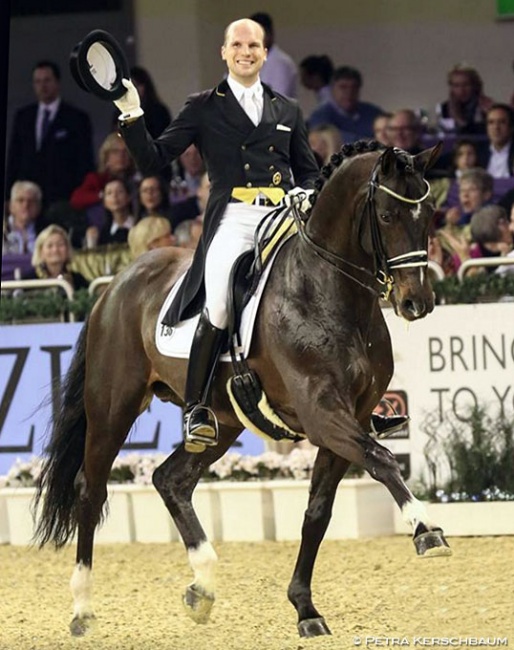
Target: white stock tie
x=250 y=106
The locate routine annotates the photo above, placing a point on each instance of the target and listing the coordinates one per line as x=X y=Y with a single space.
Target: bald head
x=243 y=51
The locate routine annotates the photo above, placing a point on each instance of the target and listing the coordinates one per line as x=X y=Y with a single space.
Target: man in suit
x=253 y=143
x=51 y=141
x=497 y=155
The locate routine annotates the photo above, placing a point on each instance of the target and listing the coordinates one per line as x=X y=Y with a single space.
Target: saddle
x=244 y=387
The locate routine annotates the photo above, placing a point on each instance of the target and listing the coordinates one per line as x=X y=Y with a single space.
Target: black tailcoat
x=236 y=153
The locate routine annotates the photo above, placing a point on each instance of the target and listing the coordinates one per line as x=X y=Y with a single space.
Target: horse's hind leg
x=383 y=466
x=110 y=417
x=175 y=481
x=328 y=471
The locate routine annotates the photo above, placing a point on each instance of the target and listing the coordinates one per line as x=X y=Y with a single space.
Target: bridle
x=381 y=281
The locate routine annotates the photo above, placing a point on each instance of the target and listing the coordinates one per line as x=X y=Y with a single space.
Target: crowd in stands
x=60 y=204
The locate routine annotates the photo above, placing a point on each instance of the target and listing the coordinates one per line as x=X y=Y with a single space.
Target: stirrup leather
x=206 y=431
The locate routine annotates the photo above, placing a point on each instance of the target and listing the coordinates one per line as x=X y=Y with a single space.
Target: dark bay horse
x=321 y=349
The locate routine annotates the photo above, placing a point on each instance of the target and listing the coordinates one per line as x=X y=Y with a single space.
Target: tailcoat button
x=247 y=166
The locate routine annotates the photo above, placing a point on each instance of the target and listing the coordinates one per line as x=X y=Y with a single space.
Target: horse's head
x=399 y=213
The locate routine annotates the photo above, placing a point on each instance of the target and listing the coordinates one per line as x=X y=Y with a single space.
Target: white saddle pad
x=176 y=342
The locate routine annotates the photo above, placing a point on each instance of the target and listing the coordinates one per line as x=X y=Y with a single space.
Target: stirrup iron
x=203 y=432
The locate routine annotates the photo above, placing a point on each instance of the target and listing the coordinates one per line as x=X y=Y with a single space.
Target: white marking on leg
x=81 y=585
x=414 y=513
x=203 y=561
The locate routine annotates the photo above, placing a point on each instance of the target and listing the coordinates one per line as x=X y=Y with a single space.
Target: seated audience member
x=19 y=231
x=443 y=255
x=380 y=126
x=490 y=232
x=114 y=161
x=188 y=233
x=315 y=74
x=151 y=232
x=344 y=109
x=194 y=207
x=52 y=256
x=191 y=166
x=119 y=216
x=497 y=155
x=475 y=191
x=464 y=110
x=404 y=131
x=153 y=197
x=325 y=140
x=464 y=157
x=279 y=70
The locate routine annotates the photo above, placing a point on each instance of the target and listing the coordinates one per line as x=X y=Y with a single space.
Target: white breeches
x=234 y=236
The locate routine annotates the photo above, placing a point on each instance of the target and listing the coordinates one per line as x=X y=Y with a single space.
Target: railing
x=98 y=283
x=483 y=262
x=50 y=283
x=436 y=269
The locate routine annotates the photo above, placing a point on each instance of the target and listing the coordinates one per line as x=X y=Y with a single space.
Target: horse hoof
x=310 y=627
x=432 y=544
x=198 y=604
x=81 y=625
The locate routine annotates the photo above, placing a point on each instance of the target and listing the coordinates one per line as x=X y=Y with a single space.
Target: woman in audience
x=325 y=140
x=19 y=228
x=151 y=232
x=52 y=257
x=153 y=198
x=119 y=216
x=464 y=110
x=491 y=233
x=380 y=129
x=465 y=156
x=475 y=190
x=114 y=161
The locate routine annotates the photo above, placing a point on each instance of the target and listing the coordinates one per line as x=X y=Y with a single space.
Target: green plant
x=469 y=460
x=474 y=288
x=48 y=304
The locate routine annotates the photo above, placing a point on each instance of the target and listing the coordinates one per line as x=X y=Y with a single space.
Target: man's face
x=244 y=51
x=346 y=93
x=402 y=132
x=46 y=85
x=24 y=208
x=499 y=129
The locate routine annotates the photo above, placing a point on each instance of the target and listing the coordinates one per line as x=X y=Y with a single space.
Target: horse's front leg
x=329 y=469
x=175 y=481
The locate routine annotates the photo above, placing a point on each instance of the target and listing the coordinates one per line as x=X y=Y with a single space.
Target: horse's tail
x=56 y=491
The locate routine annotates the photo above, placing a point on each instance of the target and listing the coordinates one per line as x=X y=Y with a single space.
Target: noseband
x=383 y=264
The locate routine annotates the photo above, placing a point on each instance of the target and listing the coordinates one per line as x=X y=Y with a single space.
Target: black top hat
x=98 y=65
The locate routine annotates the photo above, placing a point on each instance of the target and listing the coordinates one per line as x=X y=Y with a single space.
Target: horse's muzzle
x=413 y=300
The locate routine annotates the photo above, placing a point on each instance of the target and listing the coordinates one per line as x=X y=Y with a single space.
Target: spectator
x=344 y=109
x=192 y=169
x=52 y=257
x=490 y=232
x=151 y=232
x=194 y=207
x=279 y=70
x=19 y=234
x=475 y=191
x=153 y=198
x=119 y=218
x=114 y=161
x=464 y=110
x=404 y=131
x=498 y=155
x=464 y=157
x=325 y=140
x=188 y=233
x=380 y=126
x=316 y=74
x=51 y=142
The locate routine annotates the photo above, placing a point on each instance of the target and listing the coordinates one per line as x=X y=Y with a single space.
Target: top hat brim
x=98 y=64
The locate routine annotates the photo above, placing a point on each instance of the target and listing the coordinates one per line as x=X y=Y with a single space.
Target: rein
x=380 y=283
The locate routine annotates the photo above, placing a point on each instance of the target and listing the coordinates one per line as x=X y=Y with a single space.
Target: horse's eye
x=386 y=217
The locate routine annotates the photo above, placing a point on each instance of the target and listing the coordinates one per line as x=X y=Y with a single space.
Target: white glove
x=299 y=197
x=129 y=104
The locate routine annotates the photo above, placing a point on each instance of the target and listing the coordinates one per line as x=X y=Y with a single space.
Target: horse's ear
x=388 y=161
x=426 y=159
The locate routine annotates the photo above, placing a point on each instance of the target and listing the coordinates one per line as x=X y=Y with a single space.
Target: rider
x=255 y=148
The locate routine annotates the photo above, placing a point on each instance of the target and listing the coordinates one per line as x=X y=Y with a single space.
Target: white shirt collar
x=239 y=90
x=53 y=107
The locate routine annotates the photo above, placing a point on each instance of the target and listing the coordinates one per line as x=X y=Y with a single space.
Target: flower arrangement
x=138 y=468
x=468 y=460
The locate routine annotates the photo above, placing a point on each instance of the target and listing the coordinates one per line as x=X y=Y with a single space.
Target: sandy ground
x=365 y=588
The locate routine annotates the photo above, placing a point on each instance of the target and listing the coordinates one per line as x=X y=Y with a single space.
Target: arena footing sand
x=373 y=593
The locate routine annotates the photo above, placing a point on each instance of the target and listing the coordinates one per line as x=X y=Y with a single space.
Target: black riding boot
x=383 y=426
x=206 y=348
